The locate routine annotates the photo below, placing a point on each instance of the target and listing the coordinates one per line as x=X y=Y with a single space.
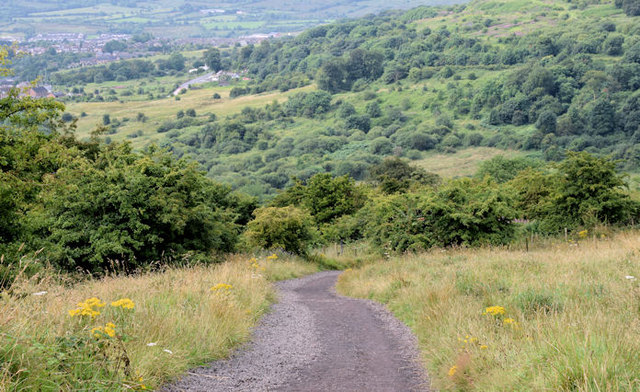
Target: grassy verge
x=177 y=319
x=564 y=318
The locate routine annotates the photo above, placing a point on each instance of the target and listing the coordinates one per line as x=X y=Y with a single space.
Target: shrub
x=462 y=212
x=325 y=197
x=288 y=228
x=132 y=208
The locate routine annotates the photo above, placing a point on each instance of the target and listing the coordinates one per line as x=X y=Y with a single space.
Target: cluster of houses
x=28 y=90
x=69 y=42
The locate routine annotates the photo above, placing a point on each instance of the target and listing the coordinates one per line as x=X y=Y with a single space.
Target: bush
x=132 y=208
x=287 y=228
x=462 y=212
x=326 y=198
x=588 y=191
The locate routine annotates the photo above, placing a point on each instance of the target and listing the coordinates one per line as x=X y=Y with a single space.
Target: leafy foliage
x=287 y=228
x=461 y=212
x=132 y=208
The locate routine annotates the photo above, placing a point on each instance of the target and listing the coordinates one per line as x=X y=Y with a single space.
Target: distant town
x=100 y=49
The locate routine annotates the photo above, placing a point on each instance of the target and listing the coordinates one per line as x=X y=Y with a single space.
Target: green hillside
x=537 y=77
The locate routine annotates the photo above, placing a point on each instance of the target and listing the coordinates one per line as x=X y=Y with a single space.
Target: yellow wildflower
x=494 y=310
x=110 y=329
x=124 y=303
x=583 y=233
x=97 y=332
x=93 y=302
x=452 y=371
x=86 y=308
x=221 y=287
x=100 y=332
x=483 y=347
x=272 y=257
x=509 y=320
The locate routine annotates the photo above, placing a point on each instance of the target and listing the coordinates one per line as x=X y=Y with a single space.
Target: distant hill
x=184 y=18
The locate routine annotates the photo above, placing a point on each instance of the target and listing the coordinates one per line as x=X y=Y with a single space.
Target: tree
x=332 y=77
x=588 y=191
x=602 y=120
x=363 y=64
x=114 y=46
x=288 y=228
x=547 y=122
x=462 y=212
x=395 y=175
x=613 y=45
x=324 y=196
x=631 y=7
x=213 y=60
x=503 y=169
x=373 y=109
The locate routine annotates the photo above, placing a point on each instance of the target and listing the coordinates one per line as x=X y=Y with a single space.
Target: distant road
x=199 y=80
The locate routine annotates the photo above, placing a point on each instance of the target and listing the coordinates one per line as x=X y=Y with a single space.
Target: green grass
x=164 y=109
x=462 y=163
x=570 y=321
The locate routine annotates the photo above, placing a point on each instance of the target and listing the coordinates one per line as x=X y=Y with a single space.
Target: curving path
x=316 y=340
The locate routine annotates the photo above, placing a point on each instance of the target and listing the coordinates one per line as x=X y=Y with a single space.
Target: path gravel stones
x=316 y=340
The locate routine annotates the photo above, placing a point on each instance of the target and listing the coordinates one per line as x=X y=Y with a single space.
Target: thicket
x=120 y=71
x=554 y=80
x=506 y=198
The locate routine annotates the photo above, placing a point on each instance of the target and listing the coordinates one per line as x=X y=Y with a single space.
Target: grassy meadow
x=159 y=110
x=561 y=317
x=132 y=332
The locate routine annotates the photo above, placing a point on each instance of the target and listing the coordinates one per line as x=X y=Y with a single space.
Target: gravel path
x=316 y=340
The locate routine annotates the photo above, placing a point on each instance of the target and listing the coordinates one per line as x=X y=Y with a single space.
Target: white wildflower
x=152 y=344
x=39 y=293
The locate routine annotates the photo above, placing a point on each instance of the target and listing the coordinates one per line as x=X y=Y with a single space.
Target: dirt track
x=315 y=340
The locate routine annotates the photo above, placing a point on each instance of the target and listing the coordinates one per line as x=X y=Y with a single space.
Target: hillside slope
x=540 y=77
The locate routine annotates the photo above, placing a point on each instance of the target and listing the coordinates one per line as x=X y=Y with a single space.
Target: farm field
x=184 y=18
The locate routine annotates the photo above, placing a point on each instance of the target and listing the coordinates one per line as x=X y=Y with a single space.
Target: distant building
x=40 y=92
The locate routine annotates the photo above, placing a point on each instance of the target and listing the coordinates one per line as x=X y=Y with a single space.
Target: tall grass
x=571 y=317
x=177 y=323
